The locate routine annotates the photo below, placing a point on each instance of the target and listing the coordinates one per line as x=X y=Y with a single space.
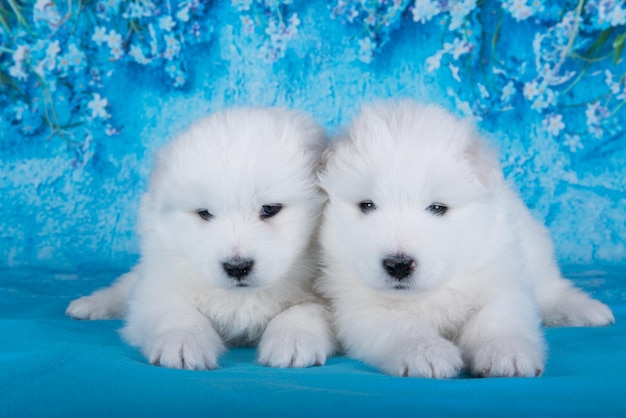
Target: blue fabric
x=56 y=367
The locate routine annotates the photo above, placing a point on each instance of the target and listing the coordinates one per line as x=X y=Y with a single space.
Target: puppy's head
x=410 y=197
x=236 y=197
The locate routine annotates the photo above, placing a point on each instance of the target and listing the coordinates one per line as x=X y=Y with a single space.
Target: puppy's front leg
x=171 y=331
x=300 y=336
x=504 y=338
x=107 y=303
x=398 y=343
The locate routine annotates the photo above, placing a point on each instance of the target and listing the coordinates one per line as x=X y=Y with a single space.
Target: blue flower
x=114 y=42
x=597 y=116
x=172 y=47
x=242 y=5
x=138 y=9
x=100 y=35
x=521 y=10
x=183 y=14
x=19 y=56
x=179 y=79
x=76 y=58
x=278 y=35
x=370 y=19
x=544 y=100
x=248 y=24
x=172 y=69
x=154 y=45
x=507 y=92
x=98 y=107
x=454 y=70
x=554 y=124
x=167 y=23
x=112 y=130
x=52 y=50
x=610 y=12
x=617 y=16
x=366 y=50
x=531 y=89
x=613 y=86
x=425 y=10
x=46 y=11
x=63 y=63
x=484 y=93
x=573 y=142
x=434 y=62
x=112 y=6
x=622 y=95
x=137 y=53
x=459 y=10
x=458 y=47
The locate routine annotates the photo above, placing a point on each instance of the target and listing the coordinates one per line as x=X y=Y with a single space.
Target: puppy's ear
x=333 y=160
x=484 y=161
x=332 y=149
x=327 y=156
x=158 y=173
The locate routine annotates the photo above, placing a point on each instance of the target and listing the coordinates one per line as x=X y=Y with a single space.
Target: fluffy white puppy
x=227 y=257
x=431 y=261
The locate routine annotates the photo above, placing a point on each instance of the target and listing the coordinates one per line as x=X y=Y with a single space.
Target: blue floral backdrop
x=89 y=89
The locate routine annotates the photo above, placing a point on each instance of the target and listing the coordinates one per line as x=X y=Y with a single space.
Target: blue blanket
x=53 y=366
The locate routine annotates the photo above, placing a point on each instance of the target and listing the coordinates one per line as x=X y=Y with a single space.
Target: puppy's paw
x=297 y=348
x=300 y=336
x=184 y=350
x=592 y=313
x=433 y=358
x=569 y=306
x=96 y=306
x=507 y=358
x=582 y=312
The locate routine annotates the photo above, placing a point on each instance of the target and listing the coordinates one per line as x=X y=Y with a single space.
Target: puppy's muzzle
x=238 y=268
x=399 y=266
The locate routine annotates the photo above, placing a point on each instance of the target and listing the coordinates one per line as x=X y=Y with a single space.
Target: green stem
x=591 y=60
x=572 y=37
x=618 y=107
x=578 y=78
x=495 y=38
x=4 y=23
x=596 y=99
x=4 y=79
x=16 y=9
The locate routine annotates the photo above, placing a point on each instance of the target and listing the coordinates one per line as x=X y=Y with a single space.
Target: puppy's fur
x=227 y=258
x=432 y=262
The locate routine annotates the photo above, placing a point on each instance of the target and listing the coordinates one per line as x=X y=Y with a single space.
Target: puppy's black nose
x=399 y=266
x=238 y=268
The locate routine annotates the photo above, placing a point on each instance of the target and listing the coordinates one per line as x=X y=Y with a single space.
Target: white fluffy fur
x=484 y=275
x=184 y=309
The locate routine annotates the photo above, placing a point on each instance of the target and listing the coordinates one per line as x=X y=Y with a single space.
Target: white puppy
x=432 y=262
x=227 y=258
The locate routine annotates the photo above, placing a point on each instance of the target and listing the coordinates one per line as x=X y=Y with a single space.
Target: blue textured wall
x=59 y=213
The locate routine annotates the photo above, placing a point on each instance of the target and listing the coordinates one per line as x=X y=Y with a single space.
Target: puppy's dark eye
x=367 y=206
x=267 y=211
x=437 y=209
x=204 y=214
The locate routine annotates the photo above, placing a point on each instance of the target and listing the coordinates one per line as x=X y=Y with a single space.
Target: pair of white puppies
x=428 y=259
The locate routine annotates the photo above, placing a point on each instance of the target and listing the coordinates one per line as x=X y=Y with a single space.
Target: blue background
x=57 y=214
